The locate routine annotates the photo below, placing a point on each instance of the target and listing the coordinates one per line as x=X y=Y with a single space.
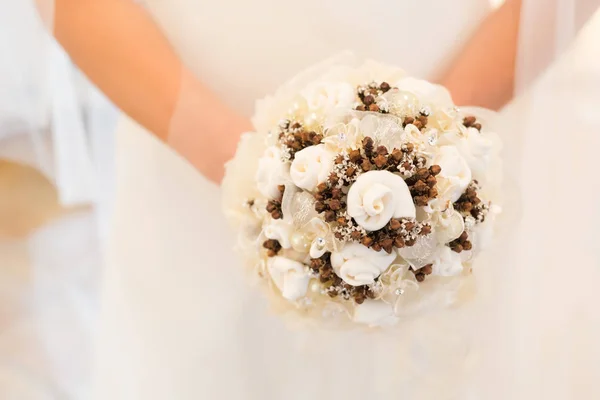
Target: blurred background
x=51 y=226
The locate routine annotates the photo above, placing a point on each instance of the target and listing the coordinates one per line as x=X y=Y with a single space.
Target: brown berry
x=421 y=201
x=355 y=235
x=408 y=120
x=422 y=173
x=376 y=247
x=355 y=156
x=467 y=245
x=421 y=187
x=320 y=207
x=420 y=277
x=367 y=241
x=380 y=160
x=329 y=216
x=382 y=150
x=433 y=193
x=431 y=181
x=361 y=107
x=336 y=193
x=457 y=248
x=276 y=214
x=408 y=148
x=350 y=171
x=427 y=270
x=399 y=242
x=395 y=224
x=384 y=87
x=387 y=244
x=368 y=100
x=468 y=121
x=425 y=230
x=335 y=204
x=477 y=126
x=366 y=165
x=374 y=108
x=396 y=155
x=435 y=170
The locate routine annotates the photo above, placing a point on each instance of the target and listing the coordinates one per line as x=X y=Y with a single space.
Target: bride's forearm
x=118 y=46
x=484 y=73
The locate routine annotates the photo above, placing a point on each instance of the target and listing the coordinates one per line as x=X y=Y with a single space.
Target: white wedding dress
x=179 y=320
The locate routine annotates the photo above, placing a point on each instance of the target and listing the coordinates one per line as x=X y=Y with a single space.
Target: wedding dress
x=179 y=320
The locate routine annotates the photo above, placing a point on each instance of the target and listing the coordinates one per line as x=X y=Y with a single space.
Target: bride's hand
x=484 y=72
x=120 y=48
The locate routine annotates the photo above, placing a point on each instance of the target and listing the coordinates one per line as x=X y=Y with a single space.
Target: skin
x=118 y=46
x=484 y=74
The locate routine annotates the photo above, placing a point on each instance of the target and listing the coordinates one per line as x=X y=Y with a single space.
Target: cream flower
x=376 y=197
x=455 y=172
x=342 y=137
x=324 y=98
x=447 y=263
x=359 y=265
x=449 y=225
x=475 y=147
x=289 y=276
x=426 y=92
x=280 y=230
x=271 y=172
x=311 y=166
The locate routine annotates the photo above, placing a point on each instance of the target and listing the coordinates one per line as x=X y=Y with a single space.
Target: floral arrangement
x=364 y=195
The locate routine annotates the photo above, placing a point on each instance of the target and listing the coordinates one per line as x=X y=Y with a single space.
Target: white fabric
x=52 y=119
x=180 y=320
x=543 y=339
x=48 y=293
x=47 y=108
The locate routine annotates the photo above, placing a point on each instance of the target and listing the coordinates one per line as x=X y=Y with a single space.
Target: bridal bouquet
x=364 y=195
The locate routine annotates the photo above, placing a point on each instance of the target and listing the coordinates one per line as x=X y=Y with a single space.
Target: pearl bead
x=315 y=287
x=300 y=242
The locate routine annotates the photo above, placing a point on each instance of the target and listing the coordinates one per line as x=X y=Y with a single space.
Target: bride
x=179 y=321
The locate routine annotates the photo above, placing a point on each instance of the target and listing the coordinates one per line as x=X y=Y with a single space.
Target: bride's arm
x=118 y=46
x=484 y=73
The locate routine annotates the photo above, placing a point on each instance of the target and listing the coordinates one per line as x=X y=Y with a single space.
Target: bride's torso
x=180 y=322
x=245 y=49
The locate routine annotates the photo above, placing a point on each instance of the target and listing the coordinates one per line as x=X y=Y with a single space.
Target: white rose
x=455 y=172
x=375 y=313
x=280 y=230
x=476 y=148
x=271 y=172
x=325 y=97
x=289 y=276
x=311 y=166
x=449 y=225
x=426 y=92
x=376 y=197
x=359 y=265
x=447 y=263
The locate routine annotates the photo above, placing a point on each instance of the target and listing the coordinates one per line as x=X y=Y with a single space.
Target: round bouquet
x=364 y=195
